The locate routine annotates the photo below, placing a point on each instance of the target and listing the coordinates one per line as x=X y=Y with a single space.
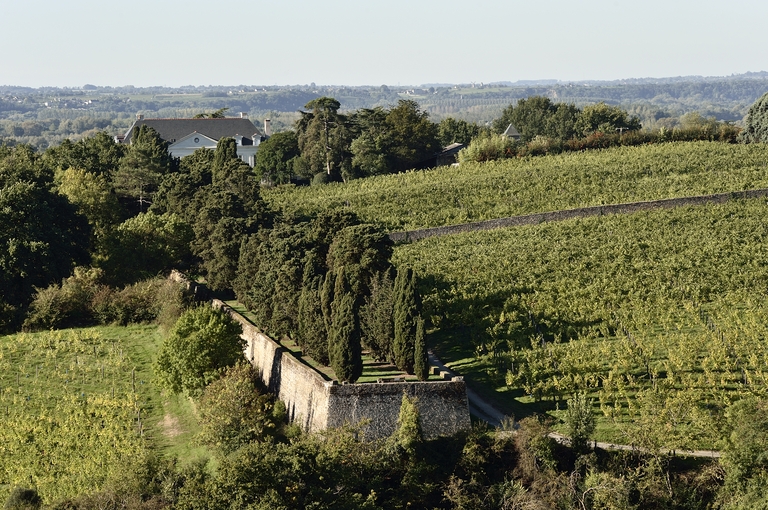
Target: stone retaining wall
x=316 y=404
x=583 y=212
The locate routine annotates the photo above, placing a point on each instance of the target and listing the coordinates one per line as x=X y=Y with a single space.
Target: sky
x=371 y=42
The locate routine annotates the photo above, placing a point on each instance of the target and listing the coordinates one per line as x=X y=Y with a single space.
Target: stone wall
x=316 y=404
x=443 y=407
x=583 y=212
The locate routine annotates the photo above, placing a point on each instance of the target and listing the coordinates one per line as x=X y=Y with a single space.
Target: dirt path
x=483 y=410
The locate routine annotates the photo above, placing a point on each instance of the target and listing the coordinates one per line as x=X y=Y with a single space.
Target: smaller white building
x=185 y=136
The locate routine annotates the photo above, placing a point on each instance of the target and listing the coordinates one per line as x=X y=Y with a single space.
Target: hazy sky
x=359 y=42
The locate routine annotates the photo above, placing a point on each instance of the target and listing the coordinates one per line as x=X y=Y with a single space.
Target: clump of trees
x=546 y=127
x=327 y=282
x=329 y=145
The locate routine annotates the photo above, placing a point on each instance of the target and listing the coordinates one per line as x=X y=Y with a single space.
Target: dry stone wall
x=583 y=212
x=316 y=404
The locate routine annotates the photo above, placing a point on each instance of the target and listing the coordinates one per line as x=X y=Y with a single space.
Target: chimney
x=243 y=115
x=267 y=128
x=139 y=116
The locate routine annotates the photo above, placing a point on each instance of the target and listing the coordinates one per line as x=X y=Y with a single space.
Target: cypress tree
x=312 y=333
x=405 y=320
x=344 y=341
x=420 y=361
x=376 y=317
x=326 y=299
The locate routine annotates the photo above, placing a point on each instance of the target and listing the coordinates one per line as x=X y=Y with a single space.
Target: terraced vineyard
x=659 y=316
x=474 y=192
x=77 y=406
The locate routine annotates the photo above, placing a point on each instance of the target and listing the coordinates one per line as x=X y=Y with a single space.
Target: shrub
x=133 y=304
x=236 y=410
x=488 y=149
x=65 y=305
x=201 y=345
x=22 y=498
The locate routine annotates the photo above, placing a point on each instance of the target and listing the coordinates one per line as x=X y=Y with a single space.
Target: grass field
x=77 y=404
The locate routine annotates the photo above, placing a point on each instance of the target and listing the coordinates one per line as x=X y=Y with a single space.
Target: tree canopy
x=756 y=122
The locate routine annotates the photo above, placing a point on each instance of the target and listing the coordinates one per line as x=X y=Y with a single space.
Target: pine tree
x=420 y=361
x=406 y=310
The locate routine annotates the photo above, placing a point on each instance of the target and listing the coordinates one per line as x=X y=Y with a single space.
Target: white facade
x=194 y=141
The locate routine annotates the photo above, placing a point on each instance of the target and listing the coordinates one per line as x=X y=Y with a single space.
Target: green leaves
x=200 y=346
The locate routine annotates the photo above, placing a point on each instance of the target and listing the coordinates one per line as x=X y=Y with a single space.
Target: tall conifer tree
x=406 y=311
x=344 y=347
x=420 y=361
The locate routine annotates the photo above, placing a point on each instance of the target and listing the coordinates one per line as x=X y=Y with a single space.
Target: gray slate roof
x=511 y=132
x=172 y=130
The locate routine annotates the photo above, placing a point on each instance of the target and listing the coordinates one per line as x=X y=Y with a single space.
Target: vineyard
x=658 y=316
x=474 y=192
x=76 y=406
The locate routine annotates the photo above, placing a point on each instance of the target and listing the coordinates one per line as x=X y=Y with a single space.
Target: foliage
x=66 y=305
x=452 y=130
x=218 y=114
x=42 y=238
x=142 y=167
x=756 y=122
x=362 y=251
x=98 y=154
x=312 y=333
x=604 y=118
x=745 y=452
x=406 y=309
x=407 y=434
x=145 y=245
x=420 y=361
x=488 y=148
x=94 y=197
x=377 y=317
x=323 y=137
x=82 y=300
x=236 y=410
x=23 y=499
x=202 y=344
x=276 y=157
x=71 y=411
x=580 y=422
x=344 y=351
x=538 y=116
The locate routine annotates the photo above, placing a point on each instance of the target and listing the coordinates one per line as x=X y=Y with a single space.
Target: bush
x=488 y=149
x=143 y=301
x=236 y=410
x=201 y=345
x=22 y=498
x=65 y=305
x=320 y=179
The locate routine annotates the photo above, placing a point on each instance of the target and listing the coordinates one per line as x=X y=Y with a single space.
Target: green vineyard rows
x=76 y=406
x=659 y=316
x=474 y=192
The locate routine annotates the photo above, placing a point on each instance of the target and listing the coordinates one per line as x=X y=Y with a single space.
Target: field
x=658 y=316
x=474 y=192
x=77 y=405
